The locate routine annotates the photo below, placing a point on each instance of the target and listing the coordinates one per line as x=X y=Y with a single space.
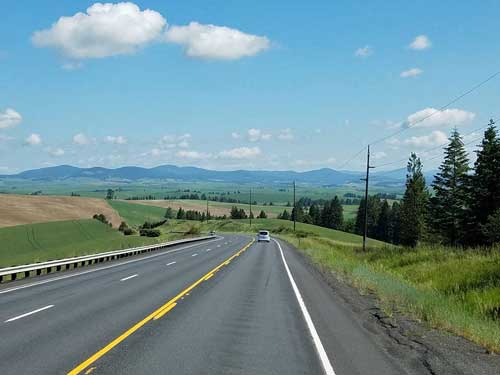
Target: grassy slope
x=30 y=243
x=137 y=214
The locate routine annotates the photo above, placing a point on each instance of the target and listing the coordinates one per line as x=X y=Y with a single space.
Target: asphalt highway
x=225 y=306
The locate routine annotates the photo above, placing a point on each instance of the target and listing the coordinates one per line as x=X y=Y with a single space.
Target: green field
x=137 y=214
x=31 y=243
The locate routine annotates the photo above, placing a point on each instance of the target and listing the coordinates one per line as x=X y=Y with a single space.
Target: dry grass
x=28 y=209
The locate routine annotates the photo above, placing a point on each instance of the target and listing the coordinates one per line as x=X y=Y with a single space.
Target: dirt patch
x=29 y=209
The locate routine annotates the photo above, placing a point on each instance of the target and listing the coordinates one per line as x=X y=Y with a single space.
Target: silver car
x=263 y=236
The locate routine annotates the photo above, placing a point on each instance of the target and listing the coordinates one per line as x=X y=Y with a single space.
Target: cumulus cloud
x=235 y=135
x=364 y=51
x=379 y=155
x=173 y=141
x=241 y=153
x=81 y=139
x=193 y=155
x=56 y=152
x=117 y=140
x=286 y=135
x=216 y=42
x=413 y=72
x=104 y=30
x=255 y=135
x=9 y=118
x=431 y=117
x=421 y=42
x=436 y=138
x=33 y=139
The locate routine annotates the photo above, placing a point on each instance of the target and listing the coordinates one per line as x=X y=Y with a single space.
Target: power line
x=412 y=125
x=433 y=148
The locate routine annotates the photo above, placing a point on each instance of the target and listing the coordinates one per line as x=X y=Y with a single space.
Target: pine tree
x=414 y=204
x=374 y=206
x=394 y=223
x=337 y=214
x=485 y=186
x=382 y=230
x=181 y=214
x=315 y=214
x=262 y=215
x=448 y=206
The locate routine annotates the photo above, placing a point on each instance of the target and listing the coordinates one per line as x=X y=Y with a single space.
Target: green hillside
x=137 y=214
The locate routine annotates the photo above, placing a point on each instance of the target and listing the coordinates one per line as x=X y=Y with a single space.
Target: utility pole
x=294 y=209
x=368 y=167
x=250 y=216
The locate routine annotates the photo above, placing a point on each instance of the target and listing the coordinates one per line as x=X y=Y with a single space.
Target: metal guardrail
x=37 y=269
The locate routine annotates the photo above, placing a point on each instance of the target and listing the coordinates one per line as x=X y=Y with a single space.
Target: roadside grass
x=24 y=244
x=449 y=289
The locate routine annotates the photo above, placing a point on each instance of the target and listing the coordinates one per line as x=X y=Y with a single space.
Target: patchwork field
x=30 y=209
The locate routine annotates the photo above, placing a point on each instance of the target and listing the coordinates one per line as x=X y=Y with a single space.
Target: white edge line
x=195 y=254
x=129 y=277
x=169 y=264
x=103 y=268
x=28 y=313
x=325 y=362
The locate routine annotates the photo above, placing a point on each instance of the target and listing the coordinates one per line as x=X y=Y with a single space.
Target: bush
x=128 y=231
x=148 y=225
x=150 y=232
x=193 y=230
x=101 y=218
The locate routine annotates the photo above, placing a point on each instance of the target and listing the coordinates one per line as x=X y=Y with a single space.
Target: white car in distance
x=263 y=236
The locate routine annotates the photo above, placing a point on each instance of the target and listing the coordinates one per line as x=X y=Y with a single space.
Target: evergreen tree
x=169 y=213
x=485 y=186
x=181 y=214
x=383 y=223
x=262 y=215
x=374 y=205
x=394 y=223
x=315 y=214
x=414 y=204
x=448 y=206
x=297 y=213
x=285 y=215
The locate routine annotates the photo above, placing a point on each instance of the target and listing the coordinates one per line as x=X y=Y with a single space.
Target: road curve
x=230 y=309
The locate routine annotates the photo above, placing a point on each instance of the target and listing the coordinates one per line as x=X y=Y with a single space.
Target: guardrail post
x=26 y=274
x=13 y=276
x=39 y=272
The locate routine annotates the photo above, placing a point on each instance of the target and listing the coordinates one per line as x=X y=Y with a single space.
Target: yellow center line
x=158 y=313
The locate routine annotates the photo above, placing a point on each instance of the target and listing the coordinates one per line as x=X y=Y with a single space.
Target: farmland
x=27 y=209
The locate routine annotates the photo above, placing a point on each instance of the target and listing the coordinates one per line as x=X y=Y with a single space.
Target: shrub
x=150 y=232
x=128 y=231
x=193 y=230
x=101 y=218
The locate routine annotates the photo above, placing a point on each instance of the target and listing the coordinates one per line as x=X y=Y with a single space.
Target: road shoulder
x=351 y=325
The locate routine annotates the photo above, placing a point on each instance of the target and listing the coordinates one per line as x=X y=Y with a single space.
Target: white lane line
x=193 y=255
x=169 y=264
x=218 y=245
x=129 y=277
x=325 y=362
x=28 y=313
x=209 y=249
x=104 y=268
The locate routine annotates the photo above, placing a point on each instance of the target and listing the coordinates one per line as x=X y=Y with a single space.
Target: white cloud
x=421 y=42
x=379 y=155
x=193 y=155
x=72 y=65
x=173 y=141
x=431 y=117
x=117 y=140
x=56 y=152
x=255 y=135
x=104 y=30
x=413 y=72
x=241 y=153
x=235 y=135
x=436 y=138
x=286 y=135
x=33 y=139
x=81 y=139
x=4 y=138
x=9 y=118
x=216 y=42
x=364 y=51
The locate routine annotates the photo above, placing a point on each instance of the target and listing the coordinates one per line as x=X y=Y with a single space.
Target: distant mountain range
x=319 y=177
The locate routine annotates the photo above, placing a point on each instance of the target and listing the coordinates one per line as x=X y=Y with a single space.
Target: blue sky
x=246 y=84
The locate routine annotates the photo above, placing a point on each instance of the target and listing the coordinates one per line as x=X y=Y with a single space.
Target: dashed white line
x=8 y=290
x=195 y=254
x=28 y=313
x=325 y=362
x=129 y=277
x=209 y=249
x=218 y=245
x=169 y=264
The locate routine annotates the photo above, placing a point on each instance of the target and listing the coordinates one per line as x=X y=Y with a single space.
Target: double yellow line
x=157 y=314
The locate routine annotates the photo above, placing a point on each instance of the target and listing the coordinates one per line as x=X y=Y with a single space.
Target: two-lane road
x=226 y=306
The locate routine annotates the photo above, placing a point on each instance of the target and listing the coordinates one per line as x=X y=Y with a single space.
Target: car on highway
x=263 y=235
x=212 y=233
